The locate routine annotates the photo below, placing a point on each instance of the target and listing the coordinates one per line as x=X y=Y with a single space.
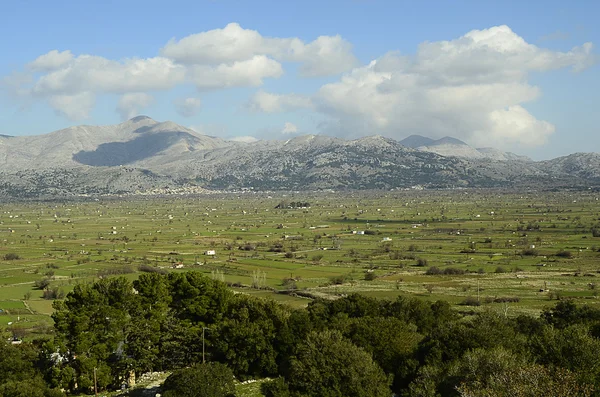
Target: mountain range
x=143 y=156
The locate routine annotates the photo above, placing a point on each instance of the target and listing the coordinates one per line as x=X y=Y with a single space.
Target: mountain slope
x=415 y=141
x=143 y=155
x=134 y=141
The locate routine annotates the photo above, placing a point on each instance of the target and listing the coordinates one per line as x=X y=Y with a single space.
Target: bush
x=275 y=388
x=341 y=279
x=530 y=252
x=453 y=271
x=500 y=269
x=41 y=284
x=421 y=262
x=11 y=256
x=370 y=276
x=564 y=254
x=202 y=380
x=117 y=270
x=53 y=293
x=471 y=301
x=289 y=284
x=433 y=270
x=151 y=269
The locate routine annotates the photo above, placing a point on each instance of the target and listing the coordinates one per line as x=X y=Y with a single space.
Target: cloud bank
x=474 y=87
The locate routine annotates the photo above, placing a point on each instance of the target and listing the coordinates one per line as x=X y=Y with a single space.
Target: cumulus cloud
x=101 y=75
x=51 y=61
x=248 y=73
x=471 y=88
x=211 y=60
x=273 y=103
x=75 y=107
x=326 y=55
x=130 y=104
x=289 y=128
x=188 y=107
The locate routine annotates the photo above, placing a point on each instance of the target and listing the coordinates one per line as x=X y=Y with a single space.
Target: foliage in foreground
x=350 y=346
x=202 y=380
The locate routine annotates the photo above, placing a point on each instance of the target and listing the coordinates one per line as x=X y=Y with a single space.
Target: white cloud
x=188 y=107
x=248 y=73
x=471 y=88
x=51 y=61
x=101 y=75
x=272 y=103
x=289 y=128
x=74 y=107
x=130 y=104
x=327 y=55
x=244 y=139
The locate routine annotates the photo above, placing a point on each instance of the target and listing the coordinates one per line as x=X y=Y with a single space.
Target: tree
x=572 y=348
x=18 y=375
x=329 y=365
x=202 y=380
x=528 y=381
x=391 y=342
x=247 y=339
x=91 y=326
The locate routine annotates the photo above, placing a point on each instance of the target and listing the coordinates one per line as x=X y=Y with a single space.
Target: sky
x=519 y=76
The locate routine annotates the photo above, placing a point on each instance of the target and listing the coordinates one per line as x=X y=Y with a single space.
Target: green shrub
x=370 y=276
x=421 y=262
x=564 y=254
x=530 y=252
x=202 y=380
x=471 y=301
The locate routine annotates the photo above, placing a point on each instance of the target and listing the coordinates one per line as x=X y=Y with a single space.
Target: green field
x=513 y=252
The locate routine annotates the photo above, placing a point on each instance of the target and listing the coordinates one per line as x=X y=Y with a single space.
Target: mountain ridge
x=141 y=155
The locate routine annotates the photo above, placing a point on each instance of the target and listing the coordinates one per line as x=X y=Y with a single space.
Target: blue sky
x=513 y=75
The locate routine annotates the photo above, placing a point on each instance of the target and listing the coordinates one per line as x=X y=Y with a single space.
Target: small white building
x=210 y=252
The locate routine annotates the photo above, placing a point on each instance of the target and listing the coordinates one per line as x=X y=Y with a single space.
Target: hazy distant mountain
x=415 y=141
x=449 y=146
x=138 y=140
x=143 y=155
x=495 y=154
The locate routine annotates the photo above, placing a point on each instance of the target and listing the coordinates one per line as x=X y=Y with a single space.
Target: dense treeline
x=353 y=346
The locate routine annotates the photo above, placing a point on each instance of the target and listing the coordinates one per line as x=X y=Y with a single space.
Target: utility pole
x=95 y=383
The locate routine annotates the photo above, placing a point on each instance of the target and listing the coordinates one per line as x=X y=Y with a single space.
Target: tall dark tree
x=328 y=365
x=247 y=338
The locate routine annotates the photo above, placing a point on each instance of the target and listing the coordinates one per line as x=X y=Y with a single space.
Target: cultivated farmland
x=513 y=252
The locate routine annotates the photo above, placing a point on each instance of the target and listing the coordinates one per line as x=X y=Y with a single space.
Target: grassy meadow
x=511 y=252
